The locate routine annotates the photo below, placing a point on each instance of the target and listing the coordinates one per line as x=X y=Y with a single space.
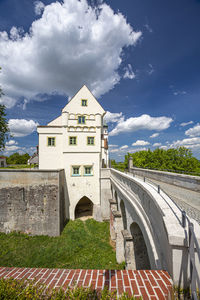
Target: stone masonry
x=32 y=201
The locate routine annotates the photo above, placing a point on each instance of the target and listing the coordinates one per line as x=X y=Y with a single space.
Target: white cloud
x=129 y=72
x=112 y=146
x=8 y=101
x=11 y=142
x=114 y=150
x=137 y=149
x=143 y=122
x=186 y=123
x=123 y=147
x=151 y=69
x=194 y=131
x=39 y=7
x=21 y=127
x=154 y=135
x=140 y=143
x=178 y=93
x=188 y=142
x=164 y=147
x=157 y=144
x=112 y=117
x=9 y=149
x=24 y=104
x=71 y=44
x=149 y=29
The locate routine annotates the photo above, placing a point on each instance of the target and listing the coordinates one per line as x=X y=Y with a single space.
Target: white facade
x=77 y=142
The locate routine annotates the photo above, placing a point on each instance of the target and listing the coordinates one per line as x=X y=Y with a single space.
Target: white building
x=77 y=142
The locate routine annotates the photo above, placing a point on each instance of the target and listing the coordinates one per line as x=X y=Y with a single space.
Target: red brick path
x=149 y=284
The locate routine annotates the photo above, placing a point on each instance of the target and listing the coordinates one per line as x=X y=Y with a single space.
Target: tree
x=3 y=125
x=17 y=159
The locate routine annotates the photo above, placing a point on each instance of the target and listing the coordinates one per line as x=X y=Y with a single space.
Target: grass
x=18 y=167
x=82 y=245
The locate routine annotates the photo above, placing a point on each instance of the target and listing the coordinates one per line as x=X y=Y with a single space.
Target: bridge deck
x=149 y=284
x=187 y=200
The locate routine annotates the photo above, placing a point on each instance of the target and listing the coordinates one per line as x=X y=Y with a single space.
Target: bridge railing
x=193 y=246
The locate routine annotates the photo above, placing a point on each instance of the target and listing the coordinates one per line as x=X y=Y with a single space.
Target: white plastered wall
x=79 y=186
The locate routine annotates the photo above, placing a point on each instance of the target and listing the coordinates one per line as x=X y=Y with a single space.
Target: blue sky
x=141 y=59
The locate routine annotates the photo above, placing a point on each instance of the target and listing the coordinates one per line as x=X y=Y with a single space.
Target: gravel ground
x=190 y=211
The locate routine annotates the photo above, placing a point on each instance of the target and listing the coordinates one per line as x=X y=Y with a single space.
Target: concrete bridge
x=147 y=227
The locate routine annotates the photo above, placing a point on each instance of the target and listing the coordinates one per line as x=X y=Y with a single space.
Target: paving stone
x=150 y=284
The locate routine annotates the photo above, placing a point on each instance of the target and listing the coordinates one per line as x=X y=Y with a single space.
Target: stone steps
x=150 y=284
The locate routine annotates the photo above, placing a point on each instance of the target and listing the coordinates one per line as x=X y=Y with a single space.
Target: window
x=51 y=141
x=72 y=140
x=84 y=102
x=81 y=119
x=90 y=140
x=76 y=171
x=88 y=171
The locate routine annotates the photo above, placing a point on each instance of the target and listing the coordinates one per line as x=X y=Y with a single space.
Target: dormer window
x=81 y=119
x=84 y=102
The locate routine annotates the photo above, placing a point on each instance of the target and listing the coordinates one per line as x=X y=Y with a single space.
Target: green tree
x=17 y=159
x=3 y=125
x=176 y=160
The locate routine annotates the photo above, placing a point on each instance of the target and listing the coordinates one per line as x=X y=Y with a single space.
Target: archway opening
x=84 y=208
x=140 y=249
x=123 y=212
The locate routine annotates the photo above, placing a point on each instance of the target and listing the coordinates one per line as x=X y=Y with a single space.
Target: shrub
x=20 y=289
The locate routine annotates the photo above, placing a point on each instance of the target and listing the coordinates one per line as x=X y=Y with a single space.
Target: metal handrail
x=192 y=248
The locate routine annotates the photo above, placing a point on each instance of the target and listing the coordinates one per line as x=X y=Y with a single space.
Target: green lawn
x=82 y=245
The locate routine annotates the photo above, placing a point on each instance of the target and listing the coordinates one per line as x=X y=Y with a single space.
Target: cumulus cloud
x=188 y=142
x=154 y=135
x=143 y=122
x=11 y=142
x=39 y=7
x=21 y=127
x=9 y=149
x=194 y=131
x=140 y=143
x=157 y=144
x=112 y=117
x=71 y=44
x=129 y=72
x=112 y=146
x=186 y=123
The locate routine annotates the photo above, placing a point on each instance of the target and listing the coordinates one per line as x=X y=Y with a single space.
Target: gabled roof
x=84 y=93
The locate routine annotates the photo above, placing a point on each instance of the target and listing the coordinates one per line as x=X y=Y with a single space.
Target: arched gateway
x=84 y=208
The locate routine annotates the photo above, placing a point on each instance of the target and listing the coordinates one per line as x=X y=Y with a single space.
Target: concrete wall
x=33 y=201
x=185 y=181
x=105 y=193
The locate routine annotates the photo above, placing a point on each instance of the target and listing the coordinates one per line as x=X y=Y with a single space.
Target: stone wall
x=184 y=181
x=33 y=201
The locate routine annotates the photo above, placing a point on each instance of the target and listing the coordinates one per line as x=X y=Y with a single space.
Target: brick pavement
x=149 y=284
